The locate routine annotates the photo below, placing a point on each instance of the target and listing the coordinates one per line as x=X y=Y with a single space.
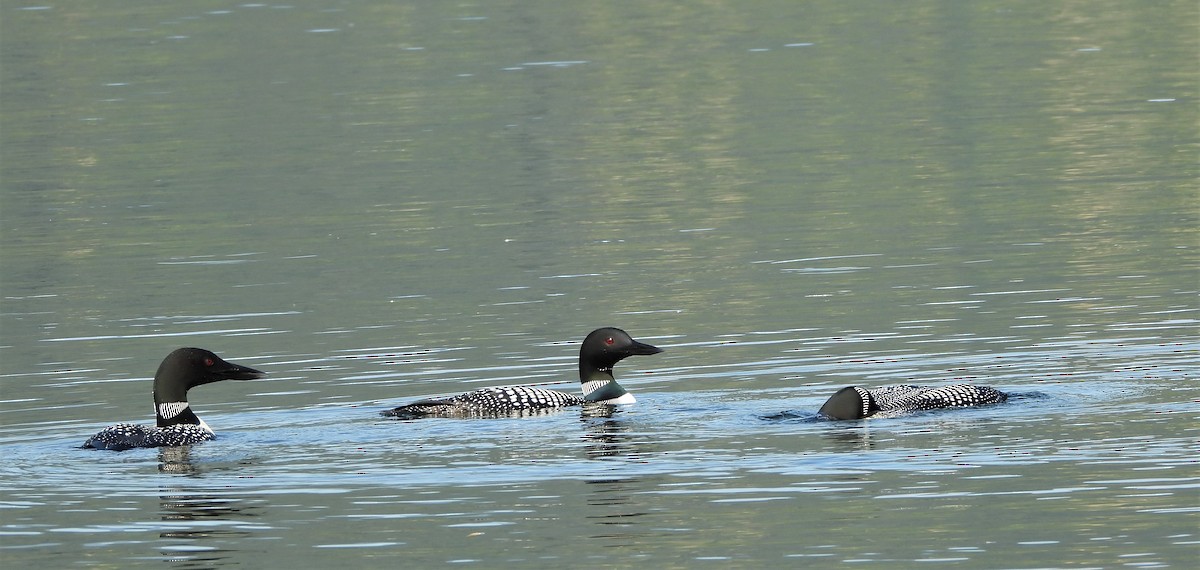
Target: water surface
x=378 y=202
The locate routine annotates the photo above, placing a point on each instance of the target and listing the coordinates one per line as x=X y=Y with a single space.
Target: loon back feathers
x=494 y=402
x=176 y=424
x=914 y=398
x=856 y=402
x=130 y=436
x=600 y=351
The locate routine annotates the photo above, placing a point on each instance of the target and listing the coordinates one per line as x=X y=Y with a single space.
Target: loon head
x=601 y=350
x=186 y=368
x=849 y=403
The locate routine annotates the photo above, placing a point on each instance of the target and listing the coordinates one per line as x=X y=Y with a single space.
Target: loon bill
x=177 y=424
x=600 y=351
x=856 y=402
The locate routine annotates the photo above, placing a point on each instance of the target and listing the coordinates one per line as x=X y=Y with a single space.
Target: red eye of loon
x=208 y=362
x=609 y=341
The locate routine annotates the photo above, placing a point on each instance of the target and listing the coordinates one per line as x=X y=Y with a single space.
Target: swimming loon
x=600 y=351
x=181 y=370
x=856 y=402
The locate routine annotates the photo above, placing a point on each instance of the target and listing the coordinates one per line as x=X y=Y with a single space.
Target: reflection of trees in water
x=203 y=519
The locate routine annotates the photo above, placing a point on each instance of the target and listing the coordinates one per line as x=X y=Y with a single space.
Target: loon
x=600 y=351
x=183 y=369
x=856 y=402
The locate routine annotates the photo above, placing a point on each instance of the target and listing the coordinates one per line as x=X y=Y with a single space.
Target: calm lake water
x=376 y=202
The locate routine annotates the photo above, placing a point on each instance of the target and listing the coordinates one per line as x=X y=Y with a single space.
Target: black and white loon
x=856 y=402
x=181 y=370
x=600 y=351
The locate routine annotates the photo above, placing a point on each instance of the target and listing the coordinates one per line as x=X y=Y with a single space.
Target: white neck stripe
x=168 y=410
x=593 y=385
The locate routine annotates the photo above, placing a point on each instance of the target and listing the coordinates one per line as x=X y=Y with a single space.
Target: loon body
x=856 y=402
x=177 y=424
x=600 y=351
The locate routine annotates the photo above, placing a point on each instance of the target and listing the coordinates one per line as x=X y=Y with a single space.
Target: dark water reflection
x=205 y=531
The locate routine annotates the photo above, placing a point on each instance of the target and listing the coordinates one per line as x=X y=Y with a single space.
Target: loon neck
x=600 y=386
x=174 y=413
x=171 y=403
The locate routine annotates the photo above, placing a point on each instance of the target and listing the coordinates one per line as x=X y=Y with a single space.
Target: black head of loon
x=600 y=351
x=184 y=369
x=176 y=423
x=849 y=403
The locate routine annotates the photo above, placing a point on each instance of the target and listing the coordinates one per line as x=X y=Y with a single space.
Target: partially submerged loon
x=181 y=370
x=600 y=351
x=856 y=402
